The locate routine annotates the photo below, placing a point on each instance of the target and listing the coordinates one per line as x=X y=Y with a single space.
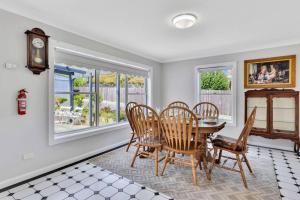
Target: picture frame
x=273 y=72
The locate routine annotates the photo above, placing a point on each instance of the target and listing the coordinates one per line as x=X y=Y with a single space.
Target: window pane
x=107 y=98
x=136 y=89
x=73 y=112
x=122 y=97
x=61 y=83
x=78 y=78
x=216 y=88
x=84 y=81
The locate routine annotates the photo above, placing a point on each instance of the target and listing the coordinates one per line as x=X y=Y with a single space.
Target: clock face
x=38 y=43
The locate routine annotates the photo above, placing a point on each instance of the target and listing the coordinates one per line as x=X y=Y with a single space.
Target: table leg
x=203 y=153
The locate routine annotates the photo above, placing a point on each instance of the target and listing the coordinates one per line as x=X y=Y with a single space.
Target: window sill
x=78 y=134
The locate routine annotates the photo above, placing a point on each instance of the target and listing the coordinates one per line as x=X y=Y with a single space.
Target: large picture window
x=88 y=98
x=216 y=84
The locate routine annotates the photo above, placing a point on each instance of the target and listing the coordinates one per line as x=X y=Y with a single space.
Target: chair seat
x=226 y=143
x=151 y=142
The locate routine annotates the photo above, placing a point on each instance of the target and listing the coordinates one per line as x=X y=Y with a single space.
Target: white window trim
x=234 y=86
x=78 y=134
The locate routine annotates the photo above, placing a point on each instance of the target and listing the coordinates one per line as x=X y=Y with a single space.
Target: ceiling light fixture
x=184 y=21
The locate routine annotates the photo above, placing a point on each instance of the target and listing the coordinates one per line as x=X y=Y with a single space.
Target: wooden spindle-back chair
x=147 y=129
x=206 y=110
x=128 y=115
x=178 y=104
x=237 y=147
x=181 y=136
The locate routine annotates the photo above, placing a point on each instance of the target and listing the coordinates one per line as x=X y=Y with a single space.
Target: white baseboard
x=37 y=172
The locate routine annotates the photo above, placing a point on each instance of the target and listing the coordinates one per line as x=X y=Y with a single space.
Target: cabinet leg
x=296 y=148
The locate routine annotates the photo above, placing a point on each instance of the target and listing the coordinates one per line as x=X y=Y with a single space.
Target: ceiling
x=143 y=27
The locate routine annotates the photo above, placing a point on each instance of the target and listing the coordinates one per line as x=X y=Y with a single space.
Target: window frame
x=233 y=66
x=62 y=137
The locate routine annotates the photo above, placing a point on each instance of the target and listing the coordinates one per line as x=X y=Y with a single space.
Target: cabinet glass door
x=261 y=111
x=284 y=114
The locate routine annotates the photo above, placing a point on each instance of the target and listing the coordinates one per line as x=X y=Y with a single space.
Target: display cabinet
x=277 y=114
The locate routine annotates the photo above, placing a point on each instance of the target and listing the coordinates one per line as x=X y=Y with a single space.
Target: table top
x=210 y=128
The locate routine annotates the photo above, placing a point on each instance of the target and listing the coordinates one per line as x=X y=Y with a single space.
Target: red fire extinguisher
x=22 y=102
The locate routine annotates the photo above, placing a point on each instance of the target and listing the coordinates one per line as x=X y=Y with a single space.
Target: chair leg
x=200 y=166
x=130 y=142
x=156 y=161
x=213 y=160
x=220 y=156
x=135 y=155
x=247 y=163
x=241 y=170
x=165 y=163
x=206 y=168
x=194 y=169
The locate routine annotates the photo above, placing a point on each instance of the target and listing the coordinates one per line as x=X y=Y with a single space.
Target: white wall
x=29 y=133
x=178 y=81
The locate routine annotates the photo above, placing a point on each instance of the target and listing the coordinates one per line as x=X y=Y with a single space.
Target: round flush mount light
x=184 y=21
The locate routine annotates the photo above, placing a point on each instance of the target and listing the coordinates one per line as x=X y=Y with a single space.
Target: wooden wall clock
x=37 y=50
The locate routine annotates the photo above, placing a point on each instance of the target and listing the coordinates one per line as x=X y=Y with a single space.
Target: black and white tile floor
x=82 y=181
x=286 y=167
x=87 y=181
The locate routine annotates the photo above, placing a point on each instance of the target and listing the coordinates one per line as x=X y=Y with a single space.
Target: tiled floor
x=287 y=170
x=88 y=181
x=82 y=181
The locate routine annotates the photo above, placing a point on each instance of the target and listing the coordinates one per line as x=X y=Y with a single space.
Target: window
x=216 y=84
x=88 y=98
x=74 y=98
x=137 y=89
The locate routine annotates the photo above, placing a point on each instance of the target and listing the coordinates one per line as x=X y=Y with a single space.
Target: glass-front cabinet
x=261 y=104
x=277 y=114
x=283 y=116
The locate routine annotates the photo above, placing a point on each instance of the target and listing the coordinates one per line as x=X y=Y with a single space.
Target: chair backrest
x=178 y=104
x=179 y=129
x=243 y=138
x=128 y=108
x=206 y=110
x=146 y=124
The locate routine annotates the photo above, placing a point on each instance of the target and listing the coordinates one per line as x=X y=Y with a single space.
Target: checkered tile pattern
x=82 y=181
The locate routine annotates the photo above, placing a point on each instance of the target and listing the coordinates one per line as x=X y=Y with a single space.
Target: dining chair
x=206 y=110
x=127 y=111
x=147 y=129
x=237 y=147
x=179 y=104
x=181 y=136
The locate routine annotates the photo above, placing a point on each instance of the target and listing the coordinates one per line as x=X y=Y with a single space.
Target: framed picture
x=275 y=72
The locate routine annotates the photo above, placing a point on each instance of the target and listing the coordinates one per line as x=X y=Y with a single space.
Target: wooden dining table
x=205 y=129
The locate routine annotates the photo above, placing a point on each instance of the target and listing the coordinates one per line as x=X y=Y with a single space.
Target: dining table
x=205 y=129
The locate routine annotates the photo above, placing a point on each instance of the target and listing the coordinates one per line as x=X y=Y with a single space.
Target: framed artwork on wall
x=274 y=72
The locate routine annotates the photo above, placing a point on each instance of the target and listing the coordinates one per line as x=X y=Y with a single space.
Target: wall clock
x=37 y=50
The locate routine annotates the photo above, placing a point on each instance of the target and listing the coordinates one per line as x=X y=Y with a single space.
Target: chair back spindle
x=243 y=138
x=206 y=110
x=178 y=104
x=128 y=108
x=179 y=129
x=146 y=124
